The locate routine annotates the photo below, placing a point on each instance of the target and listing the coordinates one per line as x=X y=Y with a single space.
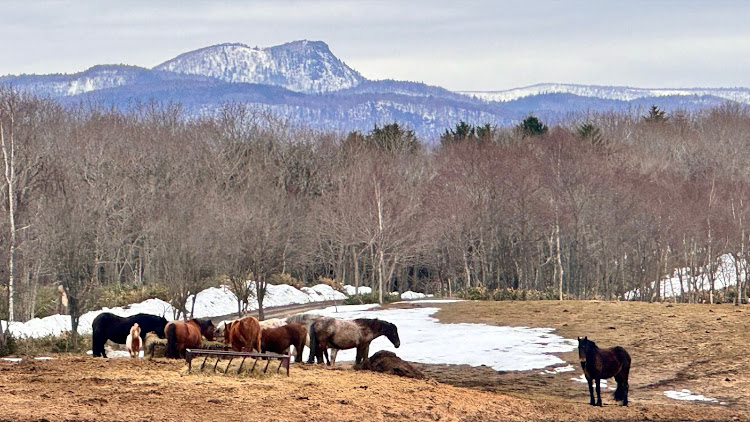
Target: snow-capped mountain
x=619 y=93
x=301 y=66
x=303 y=82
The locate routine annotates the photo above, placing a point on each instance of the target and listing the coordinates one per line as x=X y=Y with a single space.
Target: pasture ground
x=673 y=347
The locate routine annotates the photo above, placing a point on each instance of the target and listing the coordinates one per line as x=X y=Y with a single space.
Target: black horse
x=599 y=364
x=108 y=326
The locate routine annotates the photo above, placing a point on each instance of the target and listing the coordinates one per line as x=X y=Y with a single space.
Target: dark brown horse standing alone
x=182 y=335
x=344 y=334
x=599 y=364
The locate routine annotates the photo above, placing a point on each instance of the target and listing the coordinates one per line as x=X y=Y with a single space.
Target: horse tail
x=313 y=343
x=171 y=334
x=259 y=340
x=621 y=393
x=98 y=338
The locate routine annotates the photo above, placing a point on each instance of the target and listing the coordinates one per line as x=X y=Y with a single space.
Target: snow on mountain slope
x=302 y=66
x=93 y=79
x=741 y=95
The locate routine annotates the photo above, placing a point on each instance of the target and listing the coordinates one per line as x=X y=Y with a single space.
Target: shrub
x=284 y=278
x=362 y=299
x=8 y=344
x=336 y=285
x=52 y=344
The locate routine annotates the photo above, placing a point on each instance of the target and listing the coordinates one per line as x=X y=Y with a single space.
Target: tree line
x=591 y=208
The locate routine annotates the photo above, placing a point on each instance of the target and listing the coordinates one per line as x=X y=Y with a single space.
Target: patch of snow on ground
x=602 y=383
x=412 y=295
x=558 y=370
x=425 y=340
x=435 y=301
x=687 y=395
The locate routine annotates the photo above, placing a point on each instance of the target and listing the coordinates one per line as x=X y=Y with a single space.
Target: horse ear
x=586 y=338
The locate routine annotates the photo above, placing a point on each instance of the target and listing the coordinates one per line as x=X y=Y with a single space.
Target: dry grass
x=673 y=347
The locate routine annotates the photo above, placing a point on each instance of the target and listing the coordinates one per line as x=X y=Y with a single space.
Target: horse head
x=207 y=328
x=227 y=328
x=584 y=345
x=391 y=332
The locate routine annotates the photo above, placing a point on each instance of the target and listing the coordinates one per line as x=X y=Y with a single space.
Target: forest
x=594 y=207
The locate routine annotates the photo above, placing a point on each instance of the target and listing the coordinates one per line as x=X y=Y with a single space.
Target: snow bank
x=55 y=325
x=725 y=275
x=211 y=302
x=351 y=290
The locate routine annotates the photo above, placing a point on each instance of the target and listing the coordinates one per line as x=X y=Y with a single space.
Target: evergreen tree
x=393 y=138
x=465 y=131
x=532 y=126
x=655 y=115
x=591 y=133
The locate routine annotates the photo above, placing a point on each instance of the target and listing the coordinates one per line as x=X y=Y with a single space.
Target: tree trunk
x=558 y=261
x=381 y=269
x=9 y=157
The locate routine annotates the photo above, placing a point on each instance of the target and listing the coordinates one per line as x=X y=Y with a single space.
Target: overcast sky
x=459 y=45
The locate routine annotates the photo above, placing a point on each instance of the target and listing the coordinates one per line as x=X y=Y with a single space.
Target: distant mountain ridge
x=305 y=83
x=620 y=93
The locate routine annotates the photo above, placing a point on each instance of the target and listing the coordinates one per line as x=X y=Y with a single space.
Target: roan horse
x=344 y=334
x=108 y=326
x=243 y=335
x=182 y=335
x=599 y=364
x=278 y=339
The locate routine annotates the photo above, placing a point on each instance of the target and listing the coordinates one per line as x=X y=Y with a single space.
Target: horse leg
x=98 y=345
x=334 y=352
x=591 y=391
x=361 y=353
x=621 y=393
x=598 y=393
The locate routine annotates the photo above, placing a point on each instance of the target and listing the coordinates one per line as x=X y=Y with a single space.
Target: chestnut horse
x=243 y=335
x=278 y=339
x=134 y=341
x=599 y=364
x=344 y=334
x=182 y=335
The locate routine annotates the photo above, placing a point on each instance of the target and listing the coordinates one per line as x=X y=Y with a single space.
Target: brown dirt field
x=697 y=347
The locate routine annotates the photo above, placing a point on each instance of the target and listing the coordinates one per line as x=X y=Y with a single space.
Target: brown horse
x=599 y=364
x=278 y=339
x=343 y=334
x=243 y=335
x=182 y=335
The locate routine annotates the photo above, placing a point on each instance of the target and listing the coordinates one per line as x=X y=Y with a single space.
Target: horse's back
x=245 y=334
x=148 y=323
x=337 y=333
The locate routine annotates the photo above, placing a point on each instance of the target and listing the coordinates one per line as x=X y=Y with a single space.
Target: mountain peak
x=302 y=66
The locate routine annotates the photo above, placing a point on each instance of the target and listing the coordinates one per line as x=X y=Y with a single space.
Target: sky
x=460 y=45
